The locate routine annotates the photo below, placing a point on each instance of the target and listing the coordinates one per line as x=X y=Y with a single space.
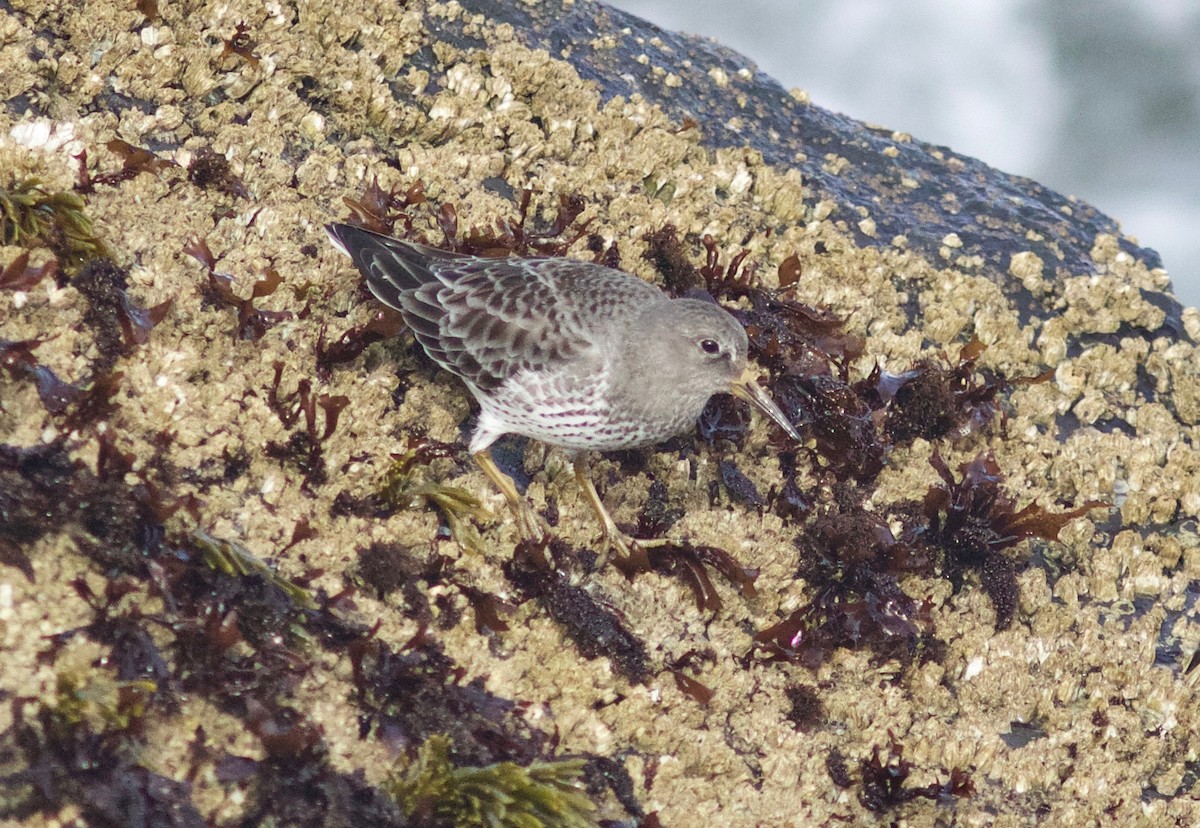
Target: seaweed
x=512 y=236
x=724 y=419
x=840 y=423
x=487 y=609
x=303 y=447
x=93 y=404
x=17 y=359
x=213 y=471
x=690 y=563
x=608 y=773
x=666 y=253
x=433 y=791
x=933 y=401
x=209 y=170
x=853 y=561
x=741 y=489
x=680 y=558
x=119 y=323
x=20 y=275
x=838 y=770
x=383 y=324
x=121 y=527
x=790 y=271
x=51 y=493
x=296 y=784
x=378 y=211
x=408 y=695
x=608 y=255
x=792 y=502
x=233 y=559
x=134 y=162
x=301 y=530
x=240 y=44
x=31 y=215
x=657 y=516
x=98 y=703
x=973 y=521
x=285 y=733
x=395 y=490
x=595 y=629
x=387 y=567
x=237 y=638
x=732 y=280
x=884 y=780
x=806 y=711
x=401 y=489
x=240 y=633
x=792 y=338
x=84 y=747
x=693 y=689
x=227 y=629
x=252 y=323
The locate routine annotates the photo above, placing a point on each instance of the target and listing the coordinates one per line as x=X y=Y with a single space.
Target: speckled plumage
x=574 y=354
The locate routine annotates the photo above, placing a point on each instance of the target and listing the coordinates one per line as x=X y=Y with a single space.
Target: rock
x=188 y=491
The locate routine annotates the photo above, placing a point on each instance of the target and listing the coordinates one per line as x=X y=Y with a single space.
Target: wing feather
x=488 y=320
x=506 y=316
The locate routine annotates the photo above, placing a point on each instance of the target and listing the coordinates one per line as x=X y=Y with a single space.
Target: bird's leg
x=529 y=524
x=611 y=537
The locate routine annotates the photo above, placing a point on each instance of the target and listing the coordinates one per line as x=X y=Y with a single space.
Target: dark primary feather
x=489 y=319
x=390 y=266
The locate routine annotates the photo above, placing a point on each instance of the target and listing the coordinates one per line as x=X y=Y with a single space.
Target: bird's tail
x=391 y=267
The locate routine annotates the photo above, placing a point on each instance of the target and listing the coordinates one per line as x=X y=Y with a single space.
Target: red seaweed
x=20 y=275
x=252 y=323
x=973 y=521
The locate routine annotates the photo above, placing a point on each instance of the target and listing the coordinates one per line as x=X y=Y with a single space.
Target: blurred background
x=1094 y=98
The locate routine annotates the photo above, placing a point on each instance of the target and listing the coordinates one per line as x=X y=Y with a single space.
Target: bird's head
x=696 y=348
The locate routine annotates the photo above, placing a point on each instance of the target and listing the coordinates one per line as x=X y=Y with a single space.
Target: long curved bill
x=746 y=387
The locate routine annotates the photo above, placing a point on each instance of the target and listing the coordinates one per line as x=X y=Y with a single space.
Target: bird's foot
x=532 y=527
x=629 y=550
x=530 y=524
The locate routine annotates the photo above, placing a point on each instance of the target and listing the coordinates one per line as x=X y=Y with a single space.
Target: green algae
x=502 y=795
x=31 y=216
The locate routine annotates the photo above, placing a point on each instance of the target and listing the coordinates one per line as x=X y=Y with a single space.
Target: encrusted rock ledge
x=193 y=383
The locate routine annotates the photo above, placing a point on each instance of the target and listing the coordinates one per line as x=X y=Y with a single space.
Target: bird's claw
x=531 y=525
x=626 y=547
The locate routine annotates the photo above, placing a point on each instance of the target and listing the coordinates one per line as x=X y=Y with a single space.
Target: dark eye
x=710 y=346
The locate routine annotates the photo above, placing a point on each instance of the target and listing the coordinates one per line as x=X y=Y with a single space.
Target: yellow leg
x=529 y=524
x=611 y=537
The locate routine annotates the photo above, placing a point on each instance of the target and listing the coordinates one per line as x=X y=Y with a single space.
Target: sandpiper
x=575 y=354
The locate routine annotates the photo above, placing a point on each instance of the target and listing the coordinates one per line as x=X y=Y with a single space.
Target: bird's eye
x=710 y=346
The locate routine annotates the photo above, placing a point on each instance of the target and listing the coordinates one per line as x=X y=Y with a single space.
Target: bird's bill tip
x=746 y=387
